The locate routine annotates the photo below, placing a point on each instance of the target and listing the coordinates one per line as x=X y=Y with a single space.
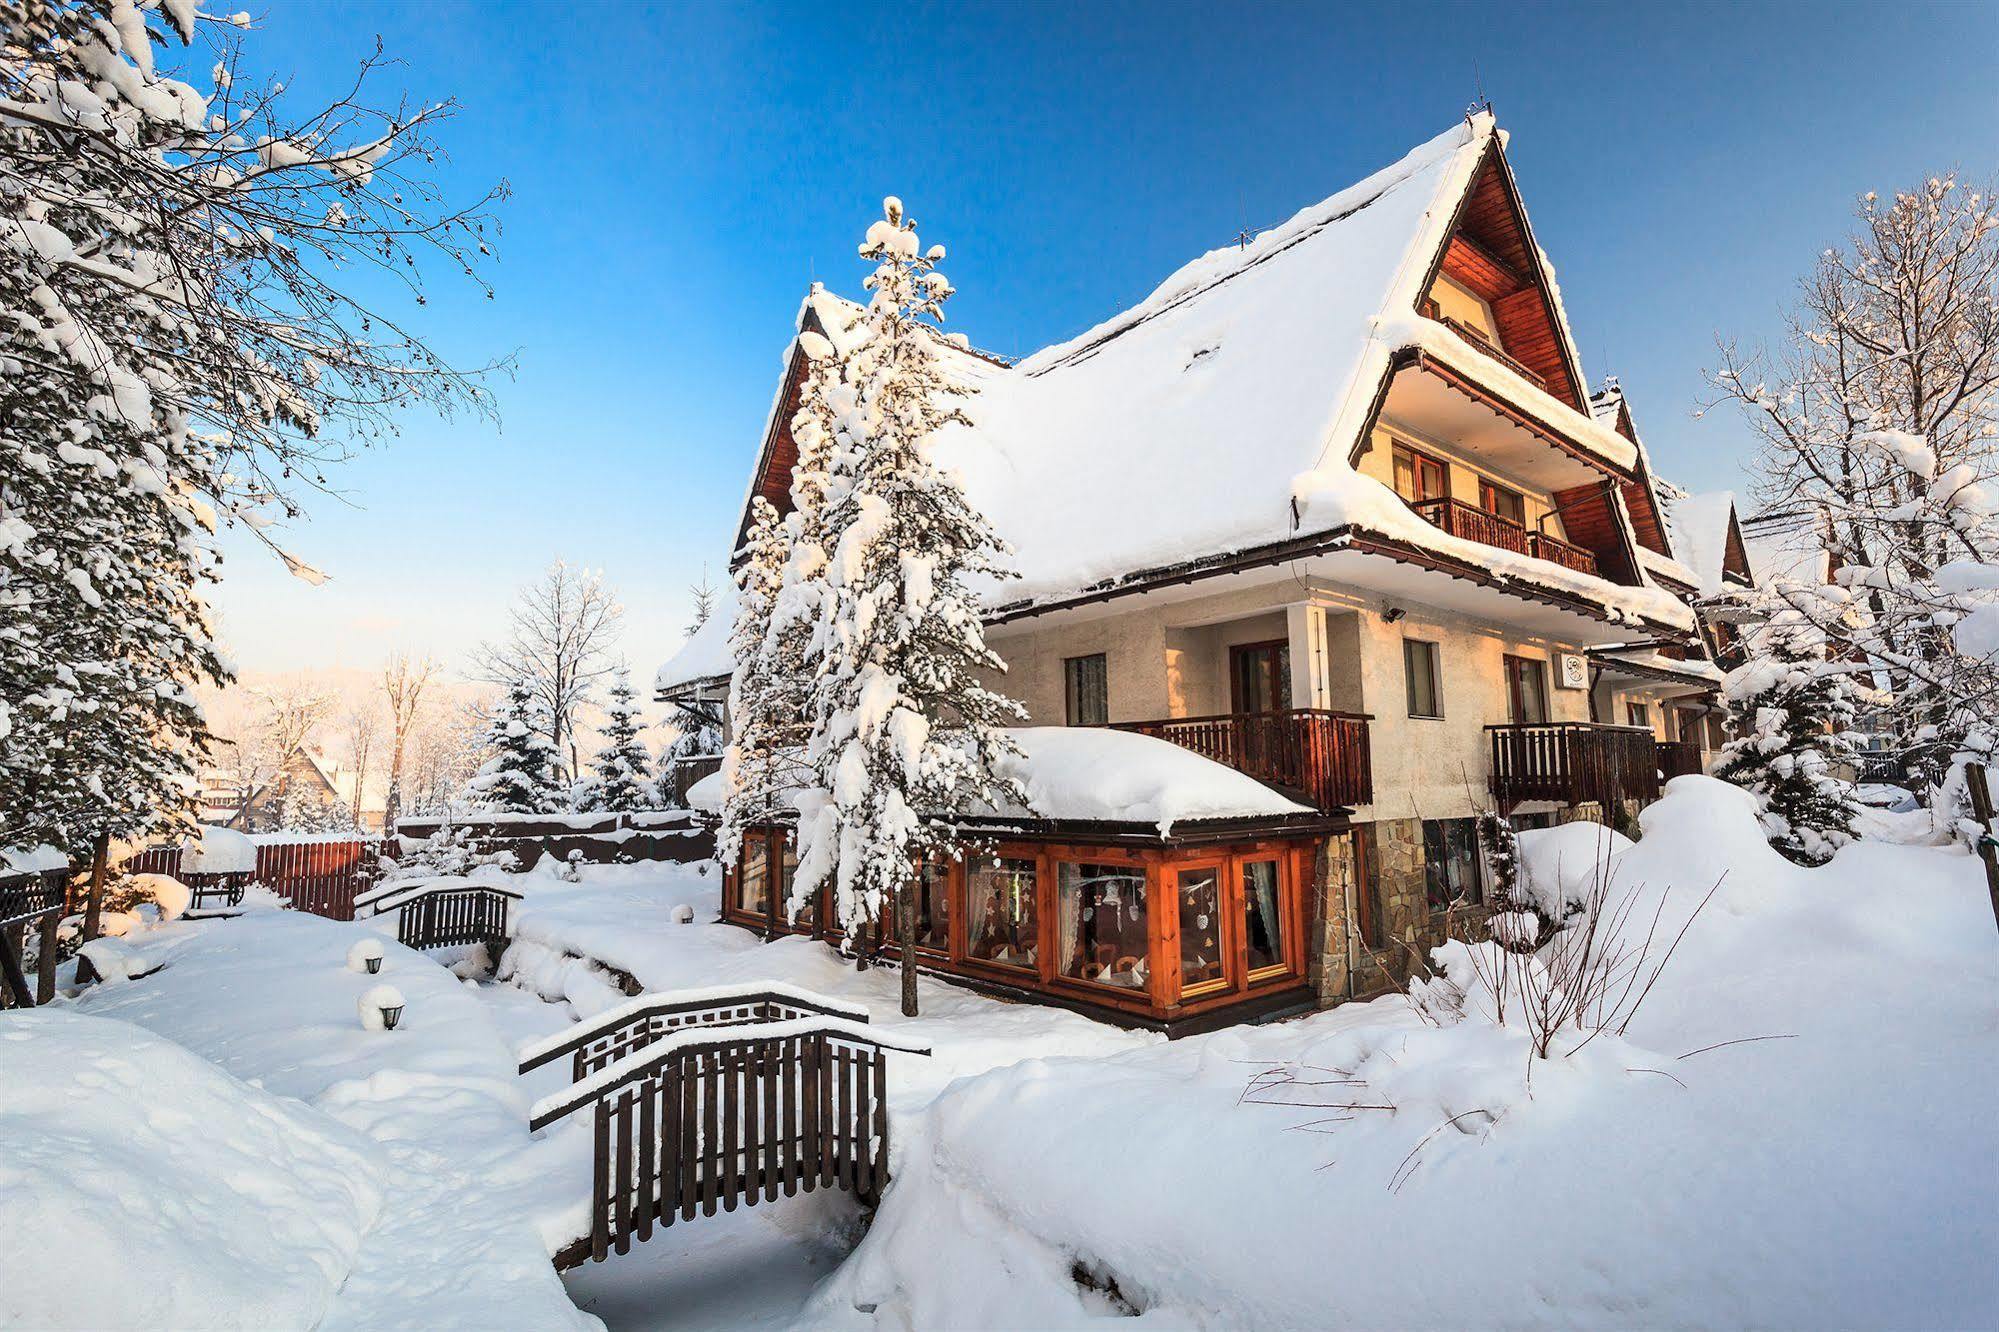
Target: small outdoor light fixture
x=381 y=1007
x=365 y=955
x=683 y=914
x=1393 y=613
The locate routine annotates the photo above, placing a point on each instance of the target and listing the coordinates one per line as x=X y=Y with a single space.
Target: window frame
x=1435 y=656
x=1039 y=967
x=1056 y=968
x=1225 y=983
x=1400 y=449
x=1281 y=968
x=1515 y=695
x=1477 y=897
x=1637 y=713
x=1072 y=693
x=1490 y=490
x=1278 y=676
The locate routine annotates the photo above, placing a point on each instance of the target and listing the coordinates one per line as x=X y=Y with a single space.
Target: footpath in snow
x=411 y=1144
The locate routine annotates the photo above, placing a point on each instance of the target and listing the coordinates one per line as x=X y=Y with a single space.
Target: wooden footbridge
x=704 y=1100
x=441 y=913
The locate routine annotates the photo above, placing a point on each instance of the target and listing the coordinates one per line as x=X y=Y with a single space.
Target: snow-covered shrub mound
x=1559 y=866
x=218 y=851
x=142 y=1186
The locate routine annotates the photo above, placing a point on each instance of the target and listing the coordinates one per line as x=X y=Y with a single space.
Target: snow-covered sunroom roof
x=1093 y=775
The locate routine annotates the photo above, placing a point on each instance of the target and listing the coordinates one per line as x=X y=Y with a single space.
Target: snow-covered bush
x=447 y=853
x=1793 y=709
x=142 y=896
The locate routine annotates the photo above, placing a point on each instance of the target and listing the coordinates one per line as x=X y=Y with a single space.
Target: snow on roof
x=1698 y=529
x=31 y=859
x=1786 y=548
x=1106 y=454
x=1090 y=773
x=705 y=654
x=1095 y=775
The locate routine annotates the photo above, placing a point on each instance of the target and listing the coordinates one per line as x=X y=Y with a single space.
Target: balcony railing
x=1573 y=762
x=1320 y=754
x=1477 y=338
x=1677 y=758
x=1489 y=529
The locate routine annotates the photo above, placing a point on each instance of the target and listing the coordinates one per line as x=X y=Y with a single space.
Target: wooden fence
x=668 y=835
x=318 y=877
x=446 y=914
x=31 y=906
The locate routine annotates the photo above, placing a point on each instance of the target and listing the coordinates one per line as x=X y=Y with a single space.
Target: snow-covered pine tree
x=622 y=764
x=903 y=732
x=760 y=726
x=184 y=349
x=519 y=778
x=1792 y=709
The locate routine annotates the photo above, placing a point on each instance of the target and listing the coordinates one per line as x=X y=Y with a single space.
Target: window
x=753 y=880
x=1450 y=863
x=1527 y=691
x=1000 y=917
x=1497 y=500
x=933 y=911
x=1418 y=476
x=1260 y=676
x=1638 y=714
x=1419 y=669
x=1202 y=965
x=1086 y=690
x=1100 y=923
x=1262 y=915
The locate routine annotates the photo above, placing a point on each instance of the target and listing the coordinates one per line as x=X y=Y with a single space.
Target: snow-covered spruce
x=620 y=769
x=520 y=776
x=178 y=353
x=1792 y=712
x=902 y=729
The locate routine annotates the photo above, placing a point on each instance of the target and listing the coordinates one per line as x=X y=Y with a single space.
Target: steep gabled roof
x=1219 y=414
x=1708 y=538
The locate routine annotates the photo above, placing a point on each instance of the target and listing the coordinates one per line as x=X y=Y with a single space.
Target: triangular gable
x=1490 y=250
x=1610 y=407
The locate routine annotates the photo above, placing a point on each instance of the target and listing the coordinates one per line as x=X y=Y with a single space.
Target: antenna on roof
x=1480 y=101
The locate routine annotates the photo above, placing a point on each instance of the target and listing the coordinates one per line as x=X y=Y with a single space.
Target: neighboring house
x=309 y=787
x=1333 y=509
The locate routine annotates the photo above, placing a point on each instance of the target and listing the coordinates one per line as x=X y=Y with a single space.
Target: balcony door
x=1526 y=691
x=1260 y=683
x=1420 y=477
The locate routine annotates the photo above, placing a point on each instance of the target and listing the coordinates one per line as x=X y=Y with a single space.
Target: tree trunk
x=905 y=914
x=93 y=911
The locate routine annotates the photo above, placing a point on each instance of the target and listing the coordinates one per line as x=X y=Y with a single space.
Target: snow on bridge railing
x=640 y=1022
x=672 y=1046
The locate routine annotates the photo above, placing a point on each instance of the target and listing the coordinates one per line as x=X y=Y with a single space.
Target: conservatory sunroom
x=1178 y=924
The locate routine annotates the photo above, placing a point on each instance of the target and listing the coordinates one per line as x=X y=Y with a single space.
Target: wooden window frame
x=1227 y=982
x=1149 y=872
x=1070 y=692
x=1436 y=673
x=1488 y=489
x=1280 y=969
x=1637 y=713
x=1280 y=680
x=1417 y=457
x=1514 y=696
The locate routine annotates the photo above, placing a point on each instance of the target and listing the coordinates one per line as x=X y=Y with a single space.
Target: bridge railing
x=441 y=914
x=707 y=1118
x=616 y=1032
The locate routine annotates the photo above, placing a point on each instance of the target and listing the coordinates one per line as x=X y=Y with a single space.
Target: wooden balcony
x=1477 y=338
x=1320 y=756
x=1489 y=529
x=1573 y=762
x=1677 y=758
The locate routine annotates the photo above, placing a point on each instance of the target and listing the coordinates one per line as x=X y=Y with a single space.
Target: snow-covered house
x=1332 y=508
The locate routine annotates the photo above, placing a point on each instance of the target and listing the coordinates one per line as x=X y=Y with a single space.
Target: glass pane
x=753 y=884
x=1263 y=926
x=1419 y=662
x=1087 y=685
x=1200 y=927
x=1000 y=919
x=1100 y=924
x=933 y=921
x=787 y=870
x=1450 y=862
x=1405 y=474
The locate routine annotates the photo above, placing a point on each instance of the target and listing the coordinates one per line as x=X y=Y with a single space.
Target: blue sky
x=680 y=173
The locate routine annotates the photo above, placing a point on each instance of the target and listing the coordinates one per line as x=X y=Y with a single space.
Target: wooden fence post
x=1979 y=787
